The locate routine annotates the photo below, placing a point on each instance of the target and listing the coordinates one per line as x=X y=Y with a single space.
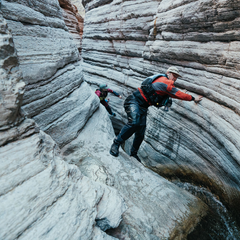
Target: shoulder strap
x=151 y=79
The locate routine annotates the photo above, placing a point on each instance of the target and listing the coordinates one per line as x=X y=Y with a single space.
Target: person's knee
x=135 y=123
x=134 y=120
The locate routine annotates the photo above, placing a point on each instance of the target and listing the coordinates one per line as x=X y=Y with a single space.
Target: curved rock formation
x=74 y=21
x=49 y=61
x=41 y=195
x=157 y=209
x=126 y=41
x=11 y=85
x=81 y=9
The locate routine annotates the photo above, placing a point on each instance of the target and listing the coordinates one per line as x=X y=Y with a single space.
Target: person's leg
x=132 y=109
x=126 y=132
x=110 y=110
x=139 y=136
x=105 y=104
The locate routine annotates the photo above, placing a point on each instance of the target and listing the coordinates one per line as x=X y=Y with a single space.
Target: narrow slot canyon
x=58 y=179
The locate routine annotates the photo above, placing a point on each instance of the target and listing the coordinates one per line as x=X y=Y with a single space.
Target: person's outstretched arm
x=182 y=95
x=197 y=99
x=115 y=93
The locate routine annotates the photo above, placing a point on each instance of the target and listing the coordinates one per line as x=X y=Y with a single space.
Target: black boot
x=135 y=156
x=134 y=153
x=114 y=150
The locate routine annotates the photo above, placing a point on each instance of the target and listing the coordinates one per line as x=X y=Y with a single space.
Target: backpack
x=103 y=95
x=151 y=95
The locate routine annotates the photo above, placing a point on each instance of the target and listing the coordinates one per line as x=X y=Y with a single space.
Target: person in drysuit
x=156 y=90
x=102 y=93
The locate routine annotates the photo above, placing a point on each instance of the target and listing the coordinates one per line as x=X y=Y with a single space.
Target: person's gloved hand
x=120 y=96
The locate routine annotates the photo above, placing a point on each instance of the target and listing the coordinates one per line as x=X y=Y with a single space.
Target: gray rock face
x=157 y=209
x=73 y=20
x=41 y=195
x=49 y=61
x=11 y=84
x=126 y=41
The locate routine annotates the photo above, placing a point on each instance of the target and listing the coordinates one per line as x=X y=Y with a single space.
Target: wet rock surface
x=124 y=42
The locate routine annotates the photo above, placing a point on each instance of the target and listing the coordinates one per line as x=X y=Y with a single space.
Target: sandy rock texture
x=43 y=197
x=126 y=41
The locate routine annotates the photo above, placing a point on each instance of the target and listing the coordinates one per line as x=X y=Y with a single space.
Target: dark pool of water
x=219 y=224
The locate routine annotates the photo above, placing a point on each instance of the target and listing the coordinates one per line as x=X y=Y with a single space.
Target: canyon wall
x=49 y=61
x=57 y=177
x=41 y=196
x=78 y=4
x=126 y=41
x=74 y=21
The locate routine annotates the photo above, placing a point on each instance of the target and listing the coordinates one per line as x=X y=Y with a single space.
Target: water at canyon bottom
x=219 y=224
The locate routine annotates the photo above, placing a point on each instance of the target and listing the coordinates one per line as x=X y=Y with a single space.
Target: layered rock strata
x=49 y=61
x=11 y=85
x=126 y=41
x=41 y=196
x=74 y=21
x=81 y=9
x=44 y=197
